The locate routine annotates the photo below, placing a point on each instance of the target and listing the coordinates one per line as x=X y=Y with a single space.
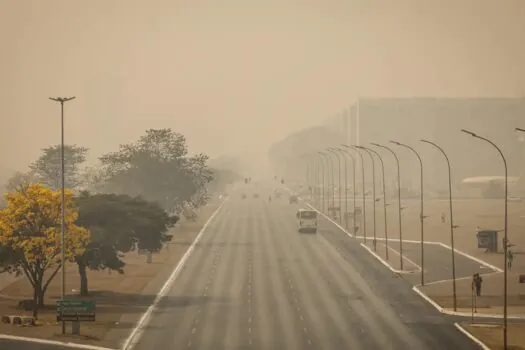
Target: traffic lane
x=384 y=304
x=180 y=311
x=438 y=262
x=223 y=324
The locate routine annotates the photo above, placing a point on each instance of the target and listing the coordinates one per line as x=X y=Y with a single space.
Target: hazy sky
x=234 y=76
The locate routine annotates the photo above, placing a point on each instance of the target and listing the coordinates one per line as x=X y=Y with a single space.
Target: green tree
x=47 y=168
x=157 y=168
x=20 y=180
x=117 y=223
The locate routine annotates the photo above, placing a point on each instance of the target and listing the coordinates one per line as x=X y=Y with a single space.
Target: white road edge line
x=473 y=338
x=53 y=342
x=136 y=333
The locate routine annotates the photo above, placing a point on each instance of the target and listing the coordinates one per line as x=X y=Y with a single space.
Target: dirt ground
x=115 y=294
x=492 y=335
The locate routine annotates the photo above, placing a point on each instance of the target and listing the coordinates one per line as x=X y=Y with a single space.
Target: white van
x=306 y=220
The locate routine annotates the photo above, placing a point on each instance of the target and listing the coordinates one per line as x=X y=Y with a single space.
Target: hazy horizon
x=236 y=76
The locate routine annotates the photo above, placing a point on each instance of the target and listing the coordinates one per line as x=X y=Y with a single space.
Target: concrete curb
x=53 y=342
x=471 y=337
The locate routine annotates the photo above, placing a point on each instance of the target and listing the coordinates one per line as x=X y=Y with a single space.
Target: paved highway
x=254 y=282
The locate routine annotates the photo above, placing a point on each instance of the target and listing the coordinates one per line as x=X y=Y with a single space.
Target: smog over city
x=396 y=128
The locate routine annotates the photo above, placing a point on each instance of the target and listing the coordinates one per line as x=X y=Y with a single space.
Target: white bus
x=306 y=220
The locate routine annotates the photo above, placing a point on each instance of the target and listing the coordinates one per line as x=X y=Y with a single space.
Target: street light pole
x=505 y=246
x=451 y=220
x=384 y=197
x=398 y=201
x=331 y=166
x=345 y=151
x=62 y=100
x=334 y=151
x=373 y=191
x=346 y=188
x=421 y=215
x=363 y=188
x=323 y=155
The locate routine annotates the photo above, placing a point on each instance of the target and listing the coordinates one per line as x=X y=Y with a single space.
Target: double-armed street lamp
x=421 y=215
x=62 y=100
x=398 y=201
x=505 y=239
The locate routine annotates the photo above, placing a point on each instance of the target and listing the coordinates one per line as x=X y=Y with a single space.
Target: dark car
x=294 y=199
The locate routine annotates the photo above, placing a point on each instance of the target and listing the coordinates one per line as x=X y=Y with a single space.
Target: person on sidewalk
x=476 y=283
x=510 y=258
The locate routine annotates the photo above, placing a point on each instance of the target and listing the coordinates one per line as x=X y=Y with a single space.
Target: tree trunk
x=82 y=271
x=35 y=303
x=40 y=297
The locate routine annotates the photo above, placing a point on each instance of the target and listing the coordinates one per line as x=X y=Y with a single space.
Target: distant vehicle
x=294 y=199
x=306 y=220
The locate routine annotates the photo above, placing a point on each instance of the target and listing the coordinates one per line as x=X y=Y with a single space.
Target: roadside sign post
x=75 y=311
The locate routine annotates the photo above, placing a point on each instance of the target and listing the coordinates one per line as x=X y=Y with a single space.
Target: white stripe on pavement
x=53 y=342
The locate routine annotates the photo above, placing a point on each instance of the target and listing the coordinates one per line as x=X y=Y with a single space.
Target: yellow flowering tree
x=30 y=235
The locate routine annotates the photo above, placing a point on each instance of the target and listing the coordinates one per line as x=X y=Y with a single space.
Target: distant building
x=440 y=120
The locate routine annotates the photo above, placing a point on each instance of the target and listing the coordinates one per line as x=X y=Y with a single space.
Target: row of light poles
x=345 y=150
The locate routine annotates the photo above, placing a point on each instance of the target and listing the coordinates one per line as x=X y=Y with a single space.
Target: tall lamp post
x=62 y=100
x=363 y=188
x=384 y=196
x=333 y=150
x=331 y=166
x=373 y=191
x=421 y=215
x=345 y=152
x=323 y=192
x=451 y=220
x=398 y=201
x=505 y=246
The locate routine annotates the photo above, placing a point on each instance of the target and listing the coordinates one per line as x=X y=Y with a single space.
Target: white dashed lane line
x=250 y=316
x=204 y=294
x=295 y=304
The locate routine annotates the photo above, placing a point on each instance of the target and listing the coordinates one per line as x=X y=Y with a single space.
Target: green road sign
x=76 y=310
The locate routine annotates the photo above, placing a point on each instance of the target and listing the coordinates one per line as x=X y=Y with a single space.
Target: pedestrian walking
x=476 y=283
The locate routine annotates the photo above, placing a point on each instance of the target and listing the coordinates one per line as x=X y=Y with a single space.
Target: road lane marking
x=137 y=331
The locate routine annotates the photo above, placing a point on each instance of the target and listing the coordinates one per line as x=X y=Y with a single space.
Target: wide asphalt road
x=254 y=282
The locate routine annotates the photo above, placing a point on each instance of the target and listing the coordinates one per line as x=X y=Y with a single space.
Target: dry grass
x=116 y=295
x=492 y=335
